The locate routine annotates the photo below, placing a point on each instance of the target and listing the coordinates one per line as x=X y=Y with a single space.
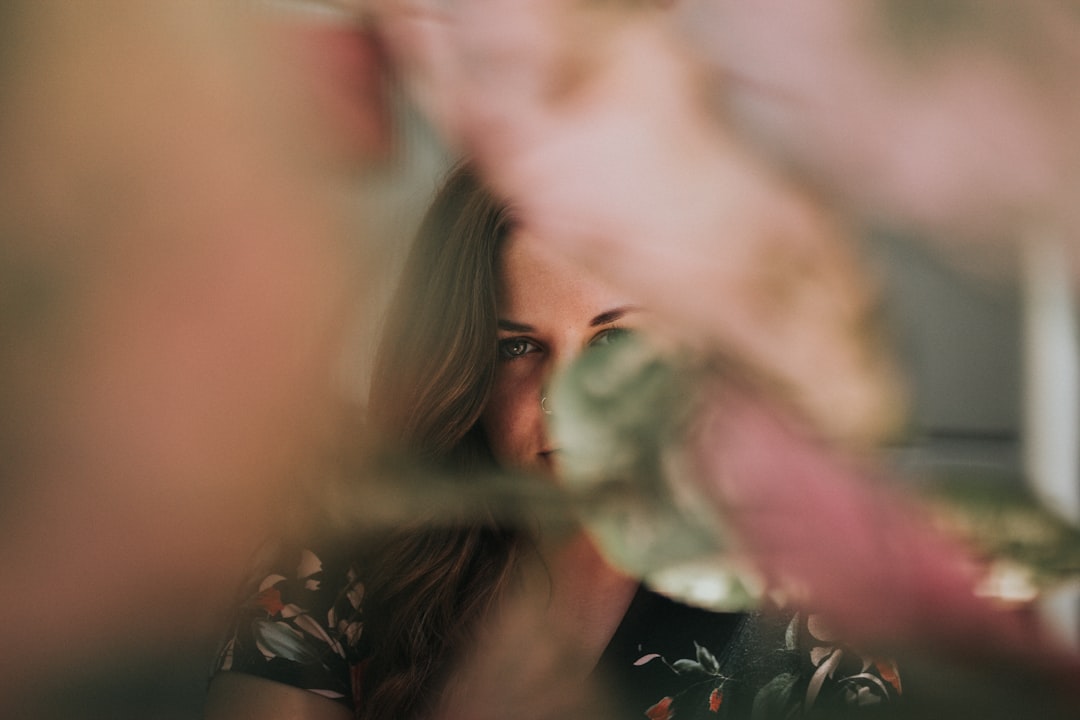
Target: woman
x=477 y=619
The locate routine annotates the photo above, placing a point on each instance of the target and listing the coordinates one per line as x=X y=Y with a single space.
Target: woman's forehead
x=532 y=274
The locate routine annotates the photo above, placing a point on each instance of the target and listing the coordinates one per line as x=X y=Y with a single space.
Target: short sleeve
x=302 y=624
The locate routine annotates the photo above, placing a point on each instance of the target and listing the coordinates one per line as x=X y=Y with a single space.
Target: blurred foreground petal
x=173 y=295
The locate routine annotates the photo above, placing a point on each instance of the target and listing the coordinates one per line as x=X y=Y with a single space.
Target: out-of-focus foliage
x=1029 y=548
x=623 y=413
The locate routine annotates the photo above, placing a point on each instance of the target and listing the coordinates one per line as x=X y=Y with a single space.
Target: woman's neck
x=533 y=656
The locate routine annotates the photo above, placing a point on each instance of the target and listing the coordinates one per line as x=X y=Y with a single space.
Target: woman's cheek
x=508 y=420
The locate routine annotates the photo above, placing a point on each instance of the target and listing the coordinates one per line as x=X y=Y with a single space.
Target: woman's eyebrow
x=611 y=315
x=511 y=326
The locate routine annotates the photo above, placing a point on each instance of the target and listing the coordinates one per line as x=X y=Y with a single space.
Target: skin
x=235 y=696
x=549 y=313
x=569 y=601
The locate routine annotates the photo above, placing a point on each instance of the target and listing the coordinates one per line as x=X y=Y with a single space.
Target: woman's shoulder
x=301 y=621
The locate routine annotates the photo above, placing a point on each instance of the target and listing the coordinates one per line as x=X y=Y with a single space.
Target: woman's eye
x=516 y=347
x=610 y=335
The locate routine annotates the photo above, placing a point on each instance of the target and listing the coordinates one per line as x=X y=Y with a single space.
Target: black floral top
x=668 y=660
x=303 y=625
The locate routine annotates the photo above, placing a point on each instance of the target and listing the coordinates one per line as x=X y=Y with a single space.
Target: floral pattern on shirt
x=303 y=626
x=815 y=676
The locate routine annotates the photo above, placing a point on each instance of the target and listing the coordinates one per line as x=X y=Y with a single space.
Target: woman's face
x=549 y=311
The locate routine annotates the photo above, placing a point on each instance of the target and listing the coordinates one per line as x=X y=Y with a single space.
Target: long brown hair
x=427 y=586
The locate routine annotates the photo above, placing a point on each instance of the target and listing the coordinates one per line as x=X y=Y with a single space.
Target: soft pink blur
x=595 y=123
x=174 y=243
x=699 y=152
x=958 y=122
x=828 y=535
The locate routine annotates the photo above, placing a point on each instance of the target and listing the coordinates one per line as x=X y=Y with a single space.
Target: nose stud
x=544 y=405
